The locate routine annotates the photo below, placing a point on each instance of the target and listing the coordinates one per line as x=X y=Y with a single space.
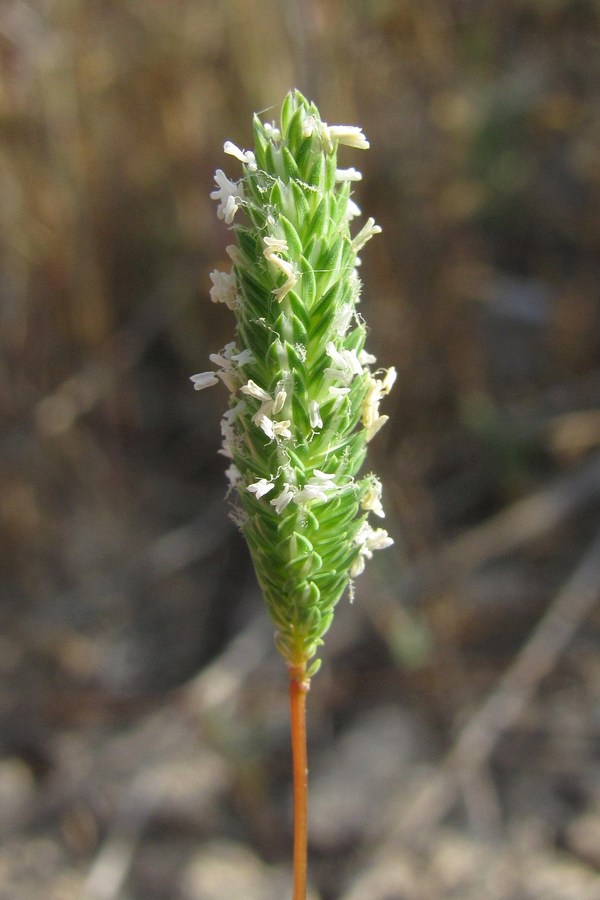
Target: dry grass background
x=143 y=728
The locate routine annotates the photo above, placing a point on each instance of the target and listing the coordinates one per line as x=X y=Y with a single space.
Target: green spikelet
x=304 y=401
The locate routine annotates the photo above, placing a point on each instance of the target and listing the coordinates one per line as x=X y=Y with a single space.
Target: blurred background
x=455 y=726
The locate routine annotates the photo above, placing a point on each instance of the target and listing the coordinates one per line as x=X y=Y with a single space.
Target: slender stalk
x=299 y=686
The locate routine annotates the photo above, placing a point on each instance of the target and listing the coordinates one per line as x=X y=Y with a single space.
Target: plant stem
x=299 y=686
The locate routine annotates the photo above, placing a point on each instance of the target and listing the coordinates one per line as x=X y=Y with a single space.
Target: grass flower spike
x=304 y=398
x=304 y=395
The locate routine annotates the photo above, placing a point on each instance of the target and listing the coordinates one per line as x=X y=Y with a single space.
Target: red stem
x=298 y=690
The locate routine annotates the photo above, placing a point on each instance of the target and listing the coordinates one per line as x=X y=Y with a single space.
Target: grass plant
x=304 y=392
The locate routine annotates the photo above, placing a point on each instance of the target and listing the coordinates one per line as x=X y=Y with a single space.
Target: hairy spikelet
x=304 y=397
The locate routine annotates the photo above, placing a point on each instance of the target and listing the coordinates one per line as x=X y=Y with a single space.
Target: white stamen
x=308 y=126
x=228 y=379
x=235 y=254
x=273 y=246
x=365 y=234
x=233 y=475
x=357 y=567
x=261 y=487
x=245 y=156
x=367 y=359
x=349 y=135
x=371 y=500
x=314 y=415
x=229 y=438
x=253 y=390
x=203 y=380
x=311 y=492
x=271 y=428
x=272 y=132
x=368 y=539
x=285 y=497
x=342 y=319
x=352 y=210
x=279 y=402
x=229 y=194
x=351 y=174
x=282 y=429
x=319 y=477
x=345 y=363
x=388 y=380
x=232 y=414
x=376 y=389
x=224 y=289
x=265 y=424
x=287 y=286
x=244 y=358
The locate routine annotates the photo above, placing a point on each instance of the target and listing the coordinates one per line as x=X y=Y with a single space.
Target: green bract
x=304 y=401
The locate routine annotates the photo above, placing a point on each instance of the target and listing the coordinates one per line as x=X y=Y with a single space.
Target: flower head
x=304 y=402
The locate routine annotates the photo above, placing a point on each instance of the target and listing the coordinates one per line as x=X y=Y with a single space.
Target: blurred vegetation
x=119 y=570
